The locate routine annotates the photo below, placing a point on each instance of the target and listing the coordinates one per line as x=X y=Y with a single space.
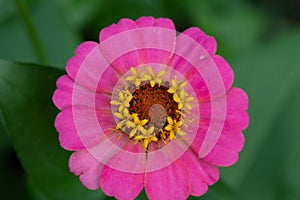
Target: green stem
x=31 y=31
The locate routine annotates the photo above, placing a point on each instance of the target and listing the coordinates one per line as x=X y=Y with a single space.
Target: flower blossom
x=147 y=108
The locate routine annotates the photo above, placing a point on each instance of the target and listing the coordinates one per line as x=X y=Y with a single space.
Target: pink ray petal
x=159 y=39
x=64 y=95
x=221 y=156
x=145 y=21
x=187 y=175
x=123 y=25
x=68 y=137
x=225 y=70
x=79 y=133
x=167 y=183
x=236 y=109
x=121 y=185
x=83 y=164
x=114 y=181
x=119 y=43
x=108 y=81
x=81 y=52
x=87 y=70
x=204 y=72
x=208 y=42
x=225 y=150
x=231 y=140
x=130 y=44
x=200 y=173
x=85 y=48
x=131 y=158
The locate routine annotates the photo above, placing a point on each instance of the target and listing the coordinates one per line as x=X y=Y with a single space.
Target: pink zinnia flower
x=149 y=108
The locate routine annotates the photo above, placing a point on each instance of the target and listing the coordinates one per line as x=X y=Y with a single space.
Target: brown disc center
x=145 y=103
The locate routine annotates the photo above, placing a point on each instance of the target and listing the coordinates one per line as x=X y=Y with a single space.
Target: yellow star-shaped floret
x=124 y=98
x=155 y=78
x=125 y=119
x=137 y=125
x=183 y=100
x=137 y=78
x=174 y=127
x=147 y=138
x=176 y=87
x=164 y=136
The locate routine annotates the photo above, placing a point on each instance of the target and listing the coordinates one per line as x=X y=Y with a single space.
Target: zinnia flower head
x=149 y=108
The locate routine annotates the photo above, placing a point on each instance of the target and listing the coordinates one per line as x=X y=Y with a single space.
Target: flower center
x=146 y=101
x=149 y=108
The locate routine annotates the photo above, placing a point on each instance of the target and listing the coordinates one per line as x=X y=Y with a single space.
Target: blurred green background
x=260 y=39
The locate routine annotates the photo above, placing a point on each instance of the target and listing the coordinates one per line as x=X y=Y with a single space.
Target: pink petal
x=187 y=175
x=222 y=157
x=119 y=44
x=152 y=22
x=200 y=73
x=73 y=65
x=105 y=119
x=198 y=140
x=131 y=158
x=85 y=48
x=191 y=51
x=237 y=99
x=145 y=21
x=68 y=137
x=62 y=96
x=84 y=134
x=200 y=86
x=86 y=70
x=231 y=141
x=119 y=183
x=208 y=42
x=159 y=39
x=183 y=60
x=225 y=70
x=123 y=25
x=237 y=106
x=108 y=81
x=222 y=76
x=210 y=75
x=83 y=164
x=224 y=151
x=81 y=52
x=103 y=103
x=200 y=173
x=231 y=138
x=236 y=109
x=69 y=93
x=167 y=183
x=161 y=155
x=130 y=44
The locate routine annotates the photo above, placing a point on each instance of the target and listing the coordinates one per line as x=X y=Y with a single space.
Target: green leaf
x=25 y=103
x=11 y=174
x=56 y=37
x=270 y=74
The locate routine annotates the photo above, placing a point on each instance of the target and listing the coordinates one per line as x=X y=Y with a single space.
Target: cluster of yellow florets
x=139 y=129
